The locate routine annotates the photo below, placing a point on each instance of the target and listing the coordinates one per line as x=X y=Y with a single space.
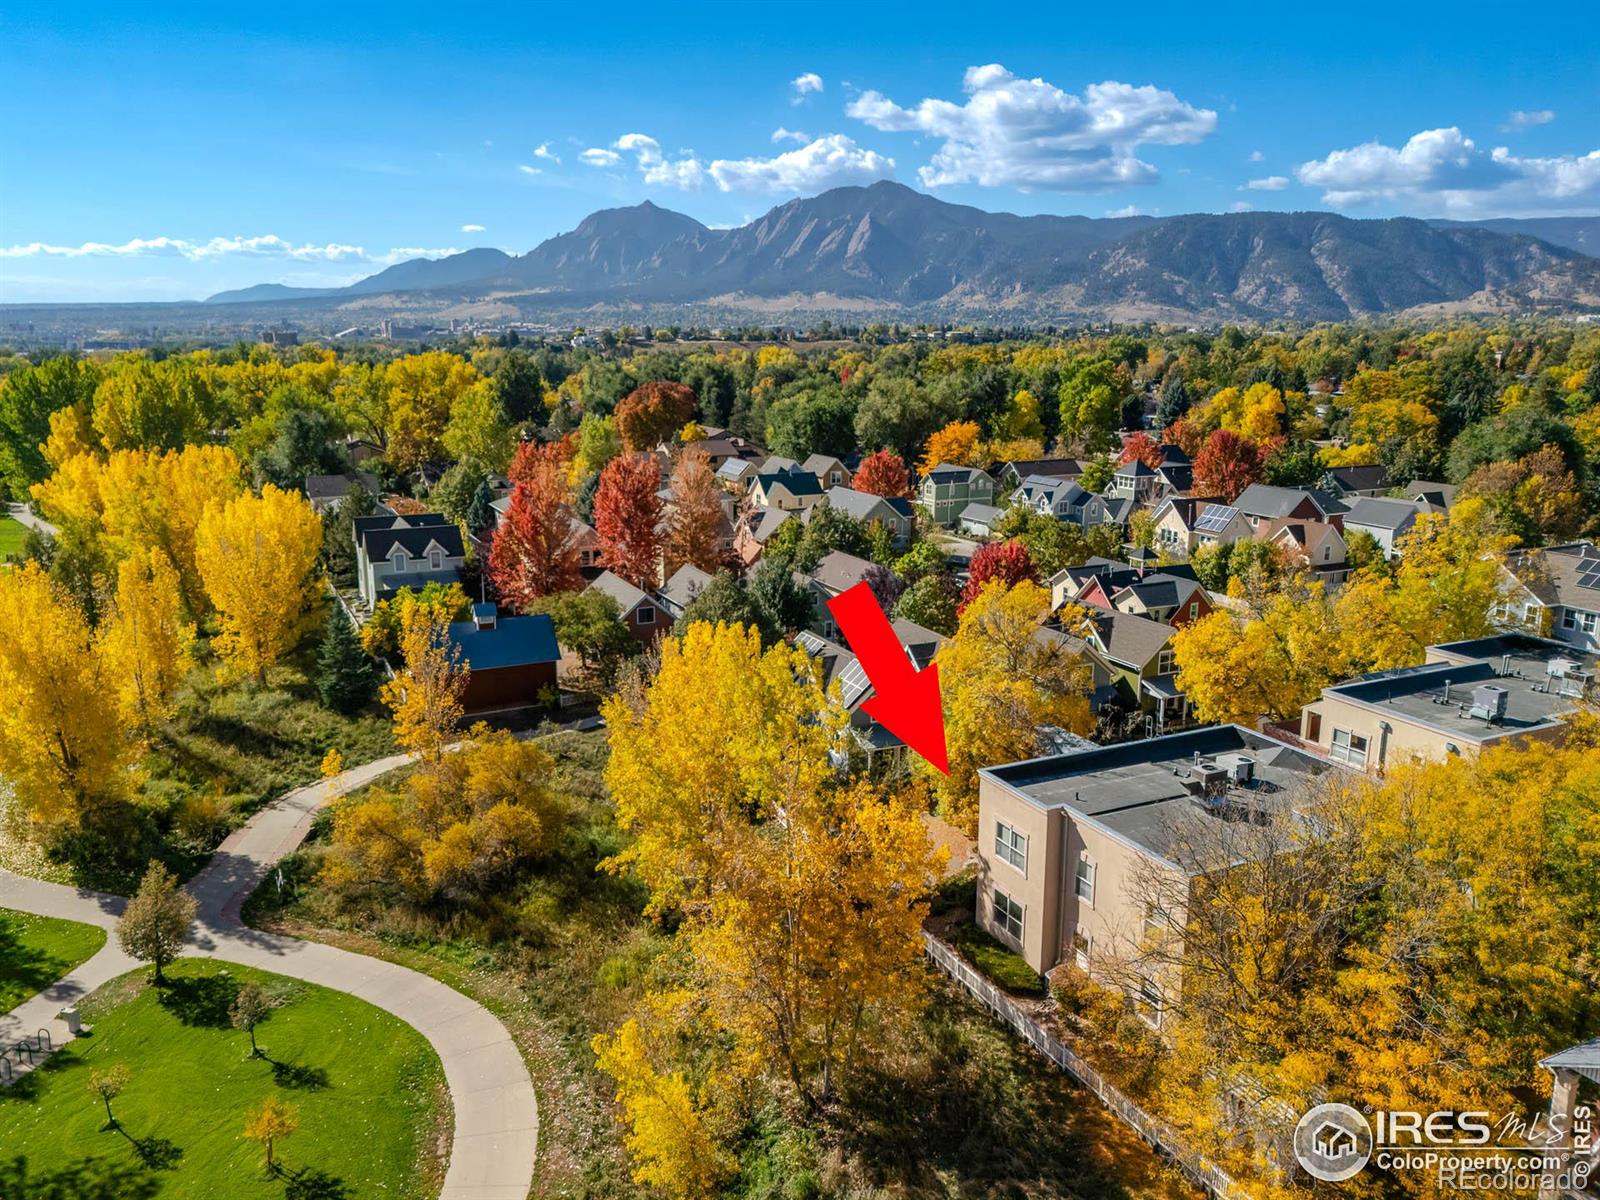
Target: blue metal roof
x=512 y=642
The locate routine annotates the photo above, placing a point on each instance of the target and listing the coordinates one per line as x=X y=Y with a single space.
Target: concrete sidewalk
x=496 y=1113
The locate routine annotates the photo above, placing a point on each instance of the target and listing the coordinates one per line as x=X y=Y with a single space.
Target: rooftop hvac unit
x=1489 y=703
x=1207 y=775
x=1560 y=668
x=1241 y=768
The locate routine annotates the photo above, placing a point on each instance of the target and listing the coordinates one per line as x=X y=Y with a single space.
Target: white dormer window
x=397 y=559
x=436 y=559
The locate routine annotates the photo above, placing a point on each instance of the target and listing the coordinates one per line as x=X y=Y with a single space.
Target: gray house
x=1386 y=520
x=1062 y=499
x=410 y=551
x=893 y=513
x=948 y=489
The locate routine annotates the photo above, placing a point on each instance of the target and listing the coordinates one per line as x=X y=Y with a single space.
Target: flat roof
x=1140 y=791
x=1536 y=695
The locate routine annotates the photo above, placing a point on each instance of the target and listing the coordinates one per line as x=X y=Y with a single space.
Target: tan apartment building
x=1066 y=843
x=1465 y=697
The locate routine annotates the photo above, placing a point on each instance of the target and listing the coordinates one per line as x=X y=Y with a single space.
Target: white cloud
x=780 y=134
x=1256 y=156
x=684 y=171
x=1029 y=134
x=472 y=229
x=1443 y=171
x=829 y=161
x=1522 y=118
x=804 y=85
x=527 y=170
x=543 y=151
x=595 y=156
x=1240 y=206
x=1130 y=210
x=266 y=246
x=1272 y=183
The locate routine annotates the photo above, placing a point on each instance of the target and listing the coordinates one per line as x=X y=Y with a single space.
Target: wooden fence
x=1156 y=1132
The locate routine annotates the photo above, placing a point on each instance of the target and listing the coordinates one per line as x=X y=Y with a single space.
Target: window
x=1194 y=609
x=1348 y=748
x=1082 y=948
x=1148 y=1002
x=397 y=559
x=436 y=559
x=1573 y=619
x=1154 y=922
x=1011 y=846
x=1083 y=885
x=1165 y=663
x=645 y=614
x=1008 y=916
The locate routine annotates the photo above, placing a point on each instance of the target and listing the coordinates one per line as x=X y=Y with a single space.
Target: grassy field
x=368 y=1090
x=12 y=533
x=37 y=951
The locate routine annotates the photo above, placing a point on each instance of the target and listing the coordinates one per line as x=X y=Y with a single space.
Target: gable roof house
x=719 y=451
x=1386 y=521
x=1465 y=697
x=1440 y=495
x=1261 y=503
x=1348 y=482
x=1554 y=592
x=772 y=464
x=791 y=489
x=677 y=593
x=1138 y=652
x=1135 y=480
x=1062 y=499
x=412 y=551
x=946 y=491
x=1062 y=840
x=893 y=513
x=1175 y=519
x=1008 y=476
x=837 y=572
x=1316 y=546
x=325 y=491
x=980 y=519
x=737 y=474
x=640 y=612
x=839 y=664
x=753 y=530
x=512 y=659
x=1171 y=599
x=830 y=471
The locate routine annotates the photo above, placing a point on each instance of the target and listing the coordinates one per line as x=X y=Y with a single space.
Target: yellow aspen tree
x=270 y=1124
x=146 y=643
x=426 y=695
x=60 y=738
x=257 y=556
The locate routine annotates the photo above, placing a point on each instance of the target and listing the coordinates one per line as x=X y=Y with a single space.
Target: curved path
x=496 y=1115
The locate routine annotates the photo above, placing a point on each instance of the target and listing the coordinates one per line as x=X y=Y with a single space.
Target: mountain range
x=887 y=249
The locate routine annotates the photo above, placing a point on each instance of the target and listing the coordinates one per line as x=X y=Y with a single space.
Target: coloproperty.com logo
x=1466 y=1151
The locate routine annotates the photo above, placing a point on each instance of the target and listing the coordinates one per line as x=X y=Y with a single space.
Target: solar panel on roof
x=1589 y=574
x=1215 y=519
x=853 y=682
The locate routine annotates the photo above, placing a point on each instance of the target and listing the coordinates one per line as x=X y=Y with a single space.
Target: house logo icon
x=1332 y=1142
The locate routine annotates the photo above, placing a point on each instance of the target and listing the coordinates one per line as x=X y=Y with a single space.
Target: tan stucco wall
x=1035 y=891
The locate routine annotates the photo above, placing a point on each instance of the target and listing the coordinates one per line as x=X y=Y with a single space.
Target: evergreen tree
x=346 y=676
x=1174 y=400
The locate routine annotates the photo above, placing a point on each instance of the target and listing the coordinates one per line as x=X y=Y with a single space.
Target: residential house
x=1346 y=483
x=947 y=490
x=1465 y=697
x=1008 y=476
x=1175 y=479
x=677 y=593
x=1554 y=592
x=840 y=665
x=1315 y=546
x=792 y=489
x=1174 y=600
x=325 y=491
x=512 y=659
x=1385 y=521
x=1069 y=846
x=830 y=471
x=837 y=572
x=1175 y=519
x=1440 y=495
x=719 y=451
x=1137 y=481
x=1261 y=503
x=893 y=513
x=751 y=536
x=775 y=463
x=412 y=551
x=980 y=520
x=737 y=474
x=585 y=538
x=1074 y=583
x=1138 y=652
x=638 y=610
x=1061 y=499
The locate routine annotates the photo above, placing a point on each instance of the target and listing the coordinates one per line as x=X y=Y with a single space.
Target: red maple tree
x=1226 y=465
x=697 y=523
x=533 y=554
x=627 y=516
x=1143 y=447
x=883 y=473
x=1008 y=561
x=653 y=412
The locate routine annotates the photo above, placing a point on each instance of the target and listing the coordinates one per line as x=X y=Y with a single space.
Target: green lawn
x=37 y=951
x=12 y=533
x=368 y=1090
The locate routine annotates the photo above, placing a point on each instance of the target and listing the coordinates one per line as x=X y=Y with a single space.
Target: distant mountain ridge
x=892 y=247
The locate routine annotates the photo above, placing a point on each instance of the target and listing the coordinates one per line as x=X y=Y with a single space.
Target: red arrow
x=907 y=702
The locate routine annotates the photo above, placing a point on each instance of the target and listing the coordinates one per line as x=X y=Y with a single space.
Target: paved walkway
x=496 y=1114
x=24 y=515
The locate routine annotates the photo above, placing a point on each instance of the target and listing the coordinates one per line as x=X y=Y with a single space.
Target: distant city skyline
x=178 y=151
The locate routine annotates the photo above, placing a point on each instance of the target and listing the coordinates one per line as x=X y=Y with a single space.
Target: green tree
x=28 y=396
x=589 y=624
x=347 y=678
x=250 y=1007
x=783 y=604
x=931 y=603
x=153 y=926
x=725 y=602
x=1091 y=404
x=463 y=494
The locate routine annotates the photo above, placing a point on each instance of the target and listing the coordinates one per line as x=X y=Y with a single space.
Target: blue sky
x=165 y=152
